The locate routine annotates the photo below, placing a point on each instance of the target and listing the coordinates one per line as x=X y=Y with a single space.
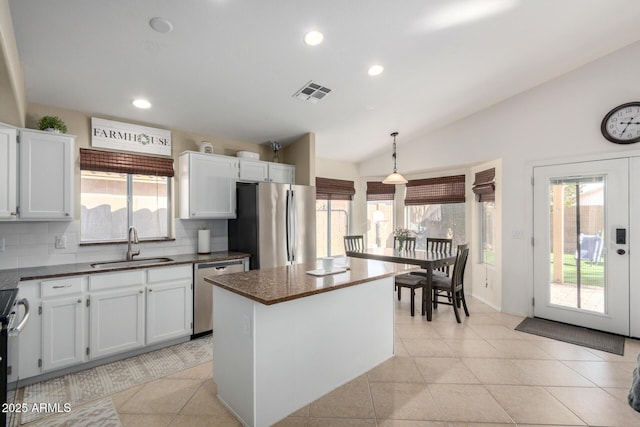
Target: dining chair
x=437 y=244
x=409 y=243
x=409 y=281
x=354 y=243
x=452 y=288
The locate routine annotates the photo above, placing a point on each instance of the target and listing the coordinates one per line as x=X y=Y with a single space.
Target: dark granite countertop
x=9 y=279
x=275 y=285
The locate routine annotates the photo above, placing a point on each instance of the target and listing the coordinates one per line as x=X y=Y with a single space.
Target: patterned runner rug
x=101 y=413
x=102 y=381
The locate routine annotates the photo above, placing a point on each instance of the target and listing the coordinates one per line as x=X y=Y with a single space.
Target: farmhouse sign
x=129 y=137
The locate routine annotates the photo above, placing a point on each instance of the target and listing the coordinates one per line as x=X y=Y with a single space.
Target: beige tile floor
x=478 y=373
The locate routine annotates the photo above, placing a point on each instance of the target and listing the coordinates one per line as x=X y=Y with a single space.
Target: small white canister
x=206 y=147
x=204 y=241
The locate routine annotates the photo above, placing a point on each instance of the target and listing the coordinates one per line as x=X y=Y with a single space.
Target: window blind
x=334 y=189
x=429 y=191
x=109 y=161
x=484 y=185
x=377 y=191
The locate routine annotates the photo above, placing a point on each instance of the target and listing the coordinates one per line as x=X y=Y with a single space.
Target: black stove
x=7 y=300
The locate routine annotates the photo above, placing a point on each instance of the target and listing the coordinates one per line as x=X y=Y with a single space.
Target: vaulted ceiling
x=231 y=67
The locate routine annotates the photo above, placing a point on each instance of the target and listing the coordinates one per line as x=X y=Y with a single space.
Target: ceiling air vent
x=312 y=92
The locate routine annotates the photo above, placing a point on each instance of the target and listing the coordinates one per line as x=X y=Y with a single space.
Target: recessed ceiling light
x=141 y=103
x=375 y=70
x=313 y=38
x=161 y=25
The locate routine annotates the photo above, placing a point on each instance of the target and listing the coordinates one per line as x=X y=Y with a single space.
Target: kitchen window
x=435 y=207
x=380 y=208
x=487 y=240
x=484 y=188
x=333 y=210
x=117 y=197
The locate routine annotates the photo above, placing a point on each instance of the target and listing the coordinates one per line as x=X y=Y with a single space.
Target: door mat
x=573 y=334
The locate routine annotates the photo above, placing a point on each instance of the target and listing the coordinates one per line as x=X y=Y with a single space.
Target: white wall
x=559 y=119
x=31 y=244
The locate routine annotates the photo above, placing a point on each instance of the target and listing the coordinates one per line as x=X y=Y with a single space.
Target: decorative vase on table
x=401 y=235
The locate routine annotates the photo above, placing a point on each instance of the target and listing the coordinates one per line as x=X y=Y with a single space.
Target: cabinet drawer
x=100 y=282
x=59 y=287
x=164 y=274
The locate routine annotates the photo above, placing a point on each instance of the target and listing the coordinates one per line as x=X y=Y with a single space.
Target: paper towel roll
x=204 y=241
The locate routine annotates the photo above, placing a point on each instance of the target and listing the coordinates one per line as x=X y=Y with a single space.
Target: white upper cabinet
x=207 y=186
x=8 y=166
x=281 y=173
x=46 y=176
x=259 y=171
x=254 y=171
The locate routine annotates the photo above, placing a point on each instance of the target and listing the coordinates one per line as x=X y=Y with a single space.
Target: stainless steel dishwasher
x=203 y=291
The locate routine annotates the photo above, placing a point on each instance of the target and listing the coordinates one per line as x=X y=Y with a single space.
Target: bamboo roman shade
x=109 y=161
x=334 y=189
x=429 y=191
x=484 y=185
x=377 y=191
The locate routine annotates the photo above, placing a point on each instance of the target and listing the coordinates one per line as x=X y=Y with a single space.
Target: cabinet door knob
x=79 y=301
x=66 y=214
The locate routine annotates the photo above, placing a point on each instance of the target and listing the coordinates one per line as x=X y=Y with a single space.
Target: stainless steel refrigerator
x=276 y=224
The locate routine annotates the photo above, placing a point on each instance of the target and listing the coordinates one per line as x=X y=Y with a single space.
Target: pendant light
x=395 y=177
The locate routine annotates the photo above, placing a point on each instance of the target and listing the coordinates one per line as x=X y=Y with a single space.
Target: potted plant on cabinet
x=52 y=124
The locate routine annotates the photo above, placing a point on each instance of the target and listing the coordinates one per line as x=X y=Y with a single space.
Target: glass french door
x=581 y=244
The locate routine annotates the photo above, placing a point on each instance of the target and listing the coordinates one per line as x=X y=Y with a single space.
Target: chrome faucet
x=130 y=253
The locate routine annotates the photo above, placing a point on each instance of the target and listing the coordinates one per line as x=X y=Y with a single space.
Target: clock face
x=622 y=124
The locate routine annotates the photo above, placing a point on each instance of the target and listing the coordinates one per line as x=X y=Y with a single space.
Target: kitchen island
x=284 y=338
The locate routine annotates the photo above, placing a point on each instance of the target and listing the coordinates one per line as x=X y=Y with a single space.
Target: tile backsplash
x=31 y=244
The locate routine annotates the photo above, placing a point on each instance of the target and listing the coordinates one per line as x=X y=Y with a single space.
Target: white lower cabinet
x=78 y=319
x=164 y=320
x=63 y=332
x=117 y=321
x=64 y=324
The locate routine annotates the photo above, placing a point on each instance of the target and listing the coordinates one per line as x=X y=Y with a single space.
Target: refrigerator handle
x=294 y=226
x=288 y=227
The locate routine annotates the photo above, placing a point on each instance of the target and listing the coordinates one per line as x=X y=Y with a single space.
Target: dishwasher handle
x=218 y=265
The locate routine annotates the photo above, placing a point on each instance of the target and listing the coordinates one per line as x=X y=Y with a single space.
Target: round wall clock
x=622 y=124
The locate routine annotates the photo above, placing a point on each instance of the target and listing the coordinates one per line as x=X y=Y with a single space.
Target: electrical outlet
x=61 y=242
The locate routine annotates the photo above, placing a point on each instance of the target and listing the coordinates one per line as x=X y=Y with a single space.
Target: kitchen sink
x=132 y=263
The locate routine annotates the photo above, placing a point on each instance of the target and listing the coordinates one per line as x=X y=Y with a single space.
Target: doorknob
x=621 y=251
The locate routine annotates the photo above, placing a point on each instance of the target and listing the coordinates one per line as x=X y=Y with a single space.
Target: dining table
x=427 y=260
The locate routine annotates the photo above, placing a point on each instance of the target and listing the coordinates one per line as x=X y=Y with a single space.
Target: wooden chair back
x=457 y=278
x=437 y=244
x=409 y=243
x=354 y=243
